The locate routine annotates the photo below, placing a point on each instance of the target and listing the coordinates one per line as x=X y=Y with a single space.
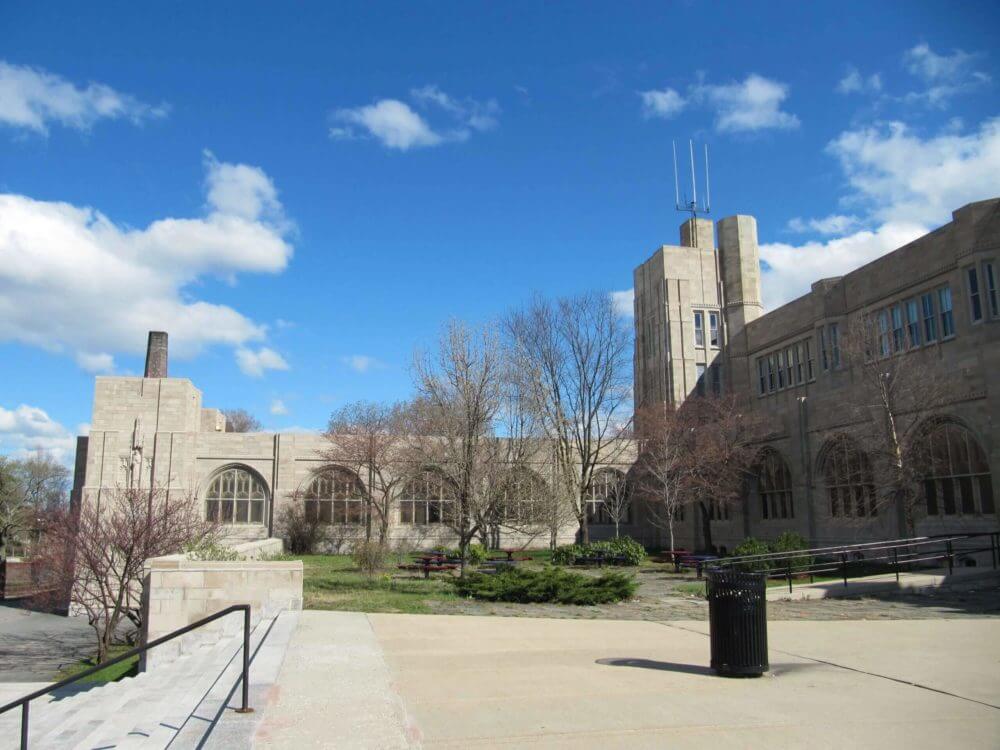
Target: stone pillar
x=698 y=233
x=156 y=355
x=739 y=260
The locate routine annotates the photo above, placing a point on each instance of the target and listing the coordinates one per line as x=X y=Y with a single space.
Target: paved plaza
x=395 y=681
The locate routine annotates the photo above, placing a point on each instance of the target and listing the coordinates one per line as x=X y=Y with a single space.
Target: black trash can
x=737 y=614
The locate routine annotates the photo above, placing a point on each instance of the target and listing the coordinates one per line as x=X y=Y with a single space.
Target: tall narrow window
x=700 y=384
x=809 y=359
x=897 y=328
x=779 y=365
x=762 y=375
x=947 y=317
x=975 y=298
x=834 y=346
x=912 y=322
x=699 y=328
x=789 y=371
x=713 y=328
x=883 y=333
x=798 y=363
x=770 y=373
x=930 y=320
x=824 y=355
x=992 y=295
x=716 y=370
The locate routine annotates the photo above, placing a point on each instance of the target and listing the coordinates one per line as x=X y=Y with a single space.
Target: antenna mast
x=692 y=206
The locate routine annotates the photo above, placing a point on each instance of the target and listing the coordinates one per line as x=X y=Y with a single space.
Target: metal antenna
x=691 y=206
x=694 y=185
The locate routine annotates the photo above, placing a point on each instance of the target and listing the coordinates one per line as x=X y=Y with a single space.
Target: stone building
x=700 y=329
x=155 y=432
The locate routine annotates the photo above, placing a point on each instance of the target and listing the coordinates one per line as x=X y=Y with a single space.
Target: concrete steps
x=146 y=711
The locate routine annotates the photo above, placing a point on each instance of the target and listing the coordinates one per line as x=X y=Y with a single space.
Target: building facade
x=699 y=329
x=153 y=431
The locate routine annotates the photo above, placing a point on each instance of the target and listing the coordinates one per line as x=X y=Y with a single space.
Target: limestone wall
x=178 y=591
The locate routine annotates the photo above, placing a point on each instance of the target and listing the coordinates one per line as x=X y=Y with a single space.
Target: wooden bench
x=428 y=569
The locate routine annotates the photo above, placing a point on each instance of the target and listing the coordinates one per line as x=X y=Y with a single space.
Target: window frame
x=990 y=287
x=699 y=329
x=974 y=289
x=946 y=315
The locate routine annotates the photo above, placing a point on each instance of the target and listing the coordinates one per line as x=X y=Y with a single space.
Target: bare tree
x=666 y=455
x=896 y=392
x=240 y=420
x=29 y=487
x=616 y=498
x=453 y=421
x=97 y=552
x=573 y=357
x=722 y=451
x=368 y=437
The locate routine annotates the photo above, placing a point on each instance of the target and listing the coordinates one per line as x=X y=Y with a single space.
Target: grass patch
x=335 y=582
x=127 y=668
x=547 y=585
x=691 y=589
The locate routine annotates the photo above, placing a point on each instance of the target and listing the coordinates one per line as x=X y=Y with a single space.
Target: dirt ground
x=664 y=596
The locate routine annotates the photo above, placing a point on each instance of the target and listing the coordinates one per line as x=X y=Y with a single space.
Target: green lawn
x=335 y=582
x=127 y=668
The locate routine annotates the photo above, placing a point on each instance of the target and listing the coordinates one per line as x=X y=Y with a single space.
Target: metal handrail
x=893 y=553
x=24 y=701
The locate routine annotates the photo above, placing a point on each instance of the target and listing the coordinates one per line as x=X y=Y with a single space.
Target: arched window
x=524 y=496
x=847 y=474
x=426 y=498
x=608 y=497
x=236 y=495
x=335 y=495
x=774 y=485
x=955 y=475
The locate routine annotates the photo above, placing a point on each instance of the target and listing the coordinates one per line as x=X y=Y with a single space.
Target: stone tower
x=739 y=261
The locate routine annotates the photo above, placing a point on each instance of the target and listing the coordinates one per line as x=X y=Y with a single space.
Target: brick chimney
x=156 y=355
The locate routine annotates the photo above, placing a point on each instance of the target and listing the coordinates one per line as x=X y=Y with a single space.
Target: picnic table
x=599 y=558
x=696 y=561
x=673 y=556
x=431 y=562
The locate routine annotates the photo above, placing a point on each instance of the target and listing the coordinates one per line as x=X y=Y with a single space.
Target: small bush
x=751 y=546
x=370 y=556
x=548 y=585
x=301 y=533
x=627 y=547
x=566 y=554
x=790 y=542
x=206 y=550
x=477 y=554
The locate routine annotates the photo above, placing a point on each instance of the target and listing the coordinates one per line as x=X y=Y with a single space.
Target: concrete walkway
x=393 y=681
x=34 y=646
x=883 y=583
x=333 y=690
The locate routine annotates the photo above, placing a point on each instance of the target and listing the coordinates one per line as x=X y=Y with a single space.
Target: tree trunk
x=670 y=530
x=706 y=526
x=584 y=530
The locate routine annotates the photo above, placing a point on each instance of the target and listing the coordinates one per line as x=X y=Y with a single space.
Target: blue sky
x=301 y=197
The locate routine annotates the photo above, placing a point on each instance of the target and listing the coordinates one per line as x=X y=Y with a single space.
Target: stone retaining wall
x=178 y=591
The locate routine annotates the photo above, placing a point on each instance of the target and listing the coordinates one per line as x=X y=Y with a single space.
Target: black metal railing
x=867 y=558
x=244 y=709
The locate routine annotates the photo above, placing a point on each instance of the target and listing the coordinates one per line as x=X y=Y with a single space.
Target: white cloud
x=899 y=176
x=944 y=75
x=905 y=184
x=623 y=302
x=856 y=83
x=26 y=429
x=390 y=121
x=747 y=106
x=663 y=103
x=255 y=363
x=398 y=126
x=361 y=362
x=32 y=98
x=71 y=279
x=278 y=408
x=100 y=362
x=832 y=224
x=791 y=269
